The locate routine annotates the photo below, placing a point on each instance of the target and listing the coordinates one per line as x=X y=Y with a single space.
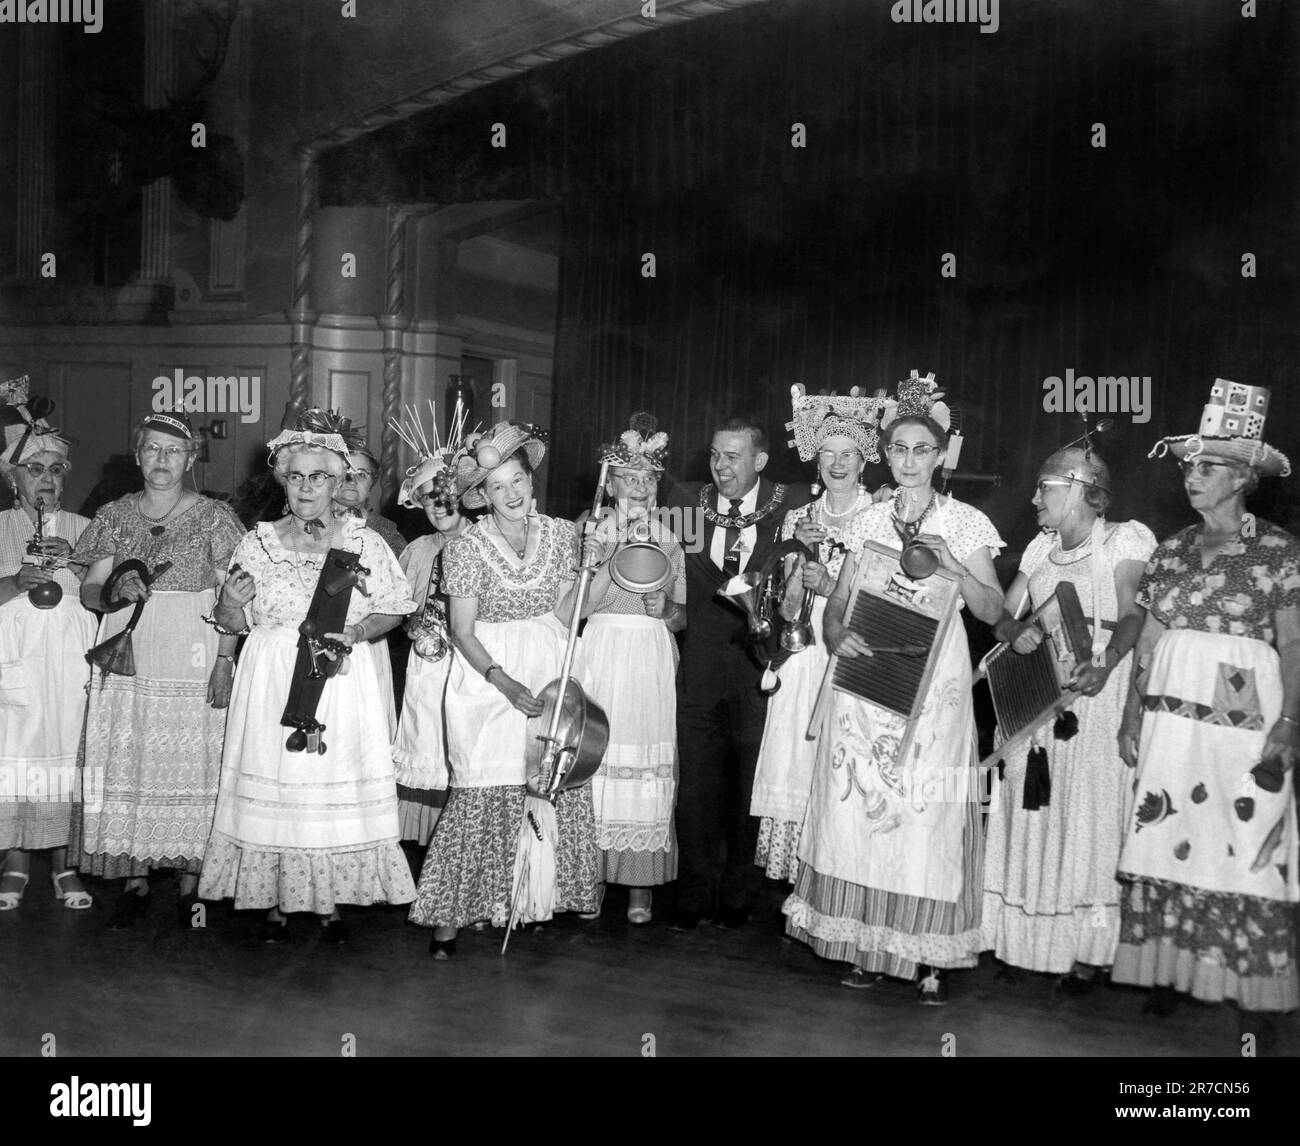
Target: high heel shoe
x=640 y=913
x=442 y=948
x=72 y=900
x=11 y=899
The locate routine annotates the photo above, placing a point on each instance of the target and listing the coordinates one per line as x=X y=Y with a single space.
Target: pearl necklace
x=824 y=508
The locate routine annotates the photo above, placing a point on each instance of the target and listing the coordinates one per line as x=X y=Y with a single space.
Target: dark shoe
x=273 y=932
x=442 y=948
x=1162 y=1002
x=731 y=917
x=1078 y=982
x=933 y=990
x=334 y=931
x=185 y=911
x=860 y=980
x=685 y=921
x=1006 y=973
x=129 y=908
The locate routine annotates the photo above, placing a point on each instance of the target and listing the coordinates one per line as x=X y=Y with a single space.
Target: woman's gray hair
x=1251 y=475
x=334 y=462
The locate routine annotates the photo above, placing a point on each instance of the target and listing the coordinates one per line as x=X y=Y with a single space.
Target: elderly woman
x=301 y=831
x=1051 y=901
x=840 y=433
x=44 y=635
x=629 y=666
x=420 y=748
x=1213 y=728
x=352 y=498
x=889 y=858
x=509 y=579
x=153 y=740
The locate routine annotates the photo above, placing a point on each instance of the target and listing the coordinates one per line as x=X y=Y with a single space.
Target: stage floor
x=603 y=988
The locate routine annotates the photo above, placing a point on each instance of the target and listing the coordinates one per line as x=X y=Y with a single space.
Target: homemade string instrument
x=564 y=747
x=328 y=613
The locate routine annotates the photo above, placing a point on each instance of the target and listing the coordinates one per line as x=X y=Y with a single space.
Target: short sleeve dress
x=889 y=858
x=297 y=830
x=1209 y=863
x=786 y=759
x=152 y=753
x=467 y=875
x=420 y=747
x=1050 y=895
x=43 y=675
x=628 y=664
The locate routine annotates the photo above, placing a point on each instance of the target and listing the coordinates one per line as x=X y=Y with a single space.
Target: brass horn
x=640 y=564
x=47 y=594
x=757 y=595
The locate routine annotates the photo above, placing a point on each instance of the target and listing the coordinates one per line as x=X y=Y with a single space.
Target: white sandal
x=11 y=899
x=72 y=900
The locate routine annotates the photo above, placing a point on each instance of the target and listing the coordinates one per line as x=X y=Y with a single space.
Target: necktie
x=731 y=556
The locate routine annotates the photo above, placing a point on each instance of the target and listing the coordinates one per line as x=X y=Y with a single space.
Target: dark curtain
x=821 y=265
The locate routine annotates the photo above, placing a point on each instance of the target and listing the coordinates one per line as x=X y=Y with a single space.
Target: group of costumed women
x=1156 y=844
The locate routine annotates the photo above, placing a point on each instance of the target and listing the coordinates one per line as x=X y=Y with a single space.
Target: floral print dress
x=1209 y=862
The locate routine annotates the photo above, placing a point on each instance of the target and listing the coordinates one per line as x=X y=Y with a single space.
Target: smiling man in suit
x=720 y=710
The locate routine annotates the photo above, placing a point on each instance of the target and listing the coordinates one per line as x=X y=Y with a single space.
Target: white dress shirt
x=748 y=536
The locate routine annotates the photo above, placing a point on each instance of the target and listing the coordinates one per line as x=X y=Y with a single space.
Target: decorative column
x=34 y=177
x=156 y=199
x=301 y=316
x=393 y=322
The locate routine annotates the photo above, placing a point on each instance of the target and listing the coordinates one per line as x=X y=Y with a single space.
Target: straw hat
x=491 y=449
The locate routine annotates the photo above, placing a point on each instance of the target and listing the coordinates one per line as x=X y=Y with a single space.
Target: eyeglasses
x=1045 y=483
x=36 y=469
x=644 y=481
x=898 y=451
x=1201 y=469
x=830 y=457
x=153 y=449
x=315 y=479
x=358 y=475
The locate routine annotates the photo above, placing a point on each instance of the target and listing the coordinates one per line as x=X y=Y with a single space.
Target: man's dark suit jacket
x=714 y=656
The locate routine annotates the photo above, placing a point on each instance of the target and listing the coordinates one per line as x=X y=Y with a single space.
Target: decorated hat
x=1077 y=464
x=1232 y=427
x=25 y=430
x=640 y=446
x=485 y=451
x=172 y=422
x=919 y=397
x=435 y=460
x=821 y=416
x=314 y=427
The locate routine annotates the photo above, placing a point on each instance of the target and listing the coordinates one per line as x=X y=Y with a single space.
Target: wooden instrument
x=1028 y=689
x=328 y=613
x=905 y=623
